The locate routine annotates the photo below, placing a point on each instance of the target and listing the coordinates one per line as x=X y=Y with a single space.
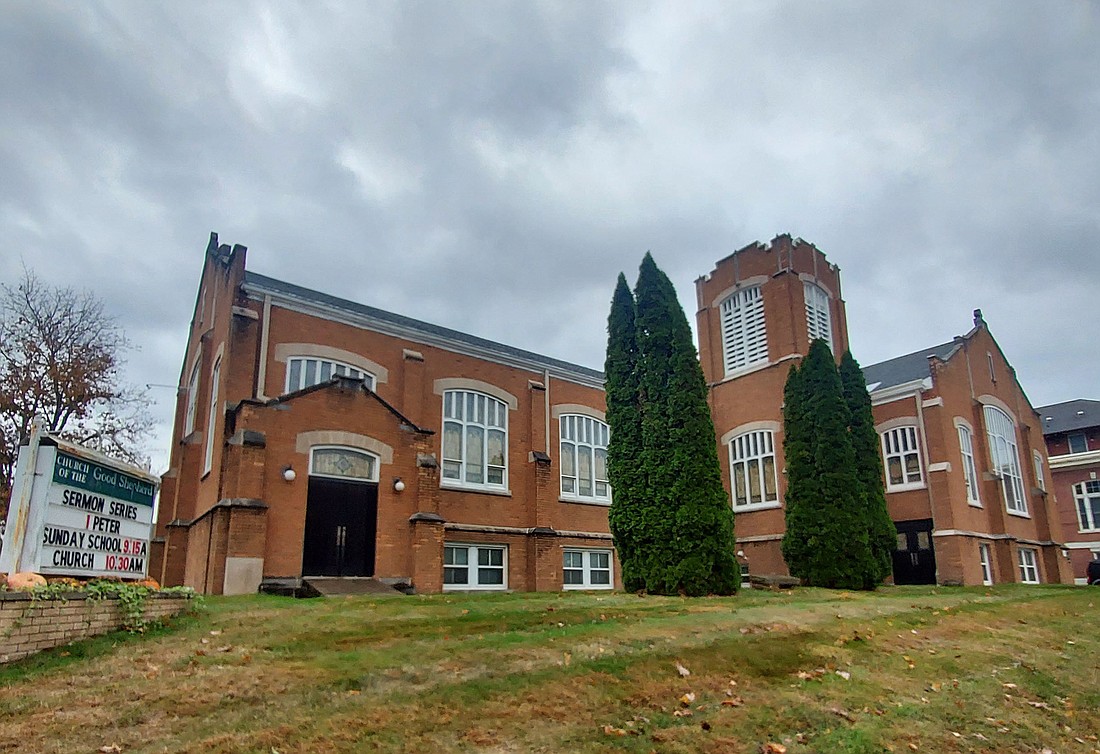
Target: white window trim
x=742 y=324
x=913 y=434
x=1012 y=454
x=1040 y=478
x=576 y=496
x=586 y=569
x=212 y=419
x=367 y=377
x=192 y=399
x=818 y=313
x=358 y=451
x=472 y=566
x=985 y=559
x=1027 y=558
x=1081 y=493
x=286 y=351
x=969 y=464
x=768 y=435
x=461 y=483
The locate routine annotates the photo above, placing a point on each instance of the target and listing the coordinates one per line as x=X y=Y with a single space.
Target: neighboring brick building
x=317 y=436
x=1072 y=433
x=962 y=517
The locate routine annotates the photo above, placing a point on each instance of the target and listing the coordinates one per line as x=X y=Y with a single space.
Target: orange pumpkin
x=25 y=580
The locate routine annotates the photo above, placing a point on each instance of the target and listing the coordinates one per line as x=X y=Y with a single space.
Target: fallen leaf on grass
x=844 y=674
x=684 y=672
x=843 y=713
x=773 y=748
x=682 y=713
x=110 y=749
x=1039 y=705
x=687 y=698
x=611 y=730
x=734 y=702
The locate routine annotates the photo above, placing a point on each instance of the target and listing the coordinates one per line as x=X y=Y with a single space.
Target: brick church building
x=315 y=436
x=966 y=468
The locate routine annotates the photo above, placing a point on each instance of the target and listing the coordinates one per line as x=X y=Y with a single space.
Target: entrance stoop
x=326 y=586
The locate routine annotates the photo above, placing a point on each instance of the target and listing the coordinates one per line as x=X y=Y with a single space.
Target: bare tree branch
x=61 y=356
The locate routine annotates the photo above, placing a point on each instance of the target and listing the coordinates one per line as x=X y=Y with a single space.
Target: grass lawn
x=1007 y=669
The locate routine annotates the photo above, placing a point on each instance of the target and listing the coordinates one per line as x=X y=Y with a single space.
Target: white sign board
x=85 y=516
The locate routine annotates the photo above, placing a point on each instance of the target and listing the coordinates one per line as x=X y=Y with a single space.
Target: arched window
x=212 y=419
x=819 y=322
x=192 y=399
x=744 y=337
x=970 y=470
x=475 y=440
x=901 y=455
x=343 y=463
x=752 y=470
x=1005 y=457
x=584 y=459
x=303 y=371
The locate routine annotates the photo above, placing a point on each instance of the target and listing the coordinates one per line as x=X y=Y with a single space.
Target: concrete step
x=328 y=586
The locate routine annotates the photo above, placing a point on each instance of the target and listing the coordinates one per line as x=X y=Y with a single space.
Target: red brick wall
x=757 y=395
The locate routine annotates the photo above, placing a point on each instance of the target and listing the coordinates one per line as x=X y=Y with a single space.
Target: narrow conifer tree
x=686 y=518
x=624 y=416
x=827 y=539
x=865 y=442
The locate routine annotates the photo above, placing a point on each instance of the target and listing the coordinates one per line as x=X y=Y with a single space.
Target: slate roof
x=1068 y=416
x=907 y=368
x=415 y=326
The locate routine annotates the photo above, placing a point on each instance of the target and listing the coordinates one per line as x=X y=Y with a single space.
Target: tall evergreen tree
x=865 y=442
x=827 y=539
x=624 y=416
x=684 y=522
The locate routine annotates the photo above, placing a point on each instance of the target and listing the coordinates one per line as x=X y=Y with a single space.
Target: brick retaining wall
x=28 y=625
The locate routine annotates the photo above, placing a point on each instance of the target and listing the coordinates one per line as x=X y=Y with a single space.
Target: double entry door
x=341 y=520
x=914 y=557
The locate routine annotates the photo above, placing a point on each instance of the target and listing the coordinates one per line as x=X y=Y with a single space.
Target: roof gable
x=343 y=382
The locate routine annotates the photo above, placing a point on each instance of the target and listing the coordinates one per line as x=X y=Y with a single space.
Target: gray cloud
x=492 y=166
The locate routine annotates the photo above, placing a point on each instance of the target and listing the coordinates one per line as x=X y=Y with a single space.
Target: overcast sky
x=492 y=166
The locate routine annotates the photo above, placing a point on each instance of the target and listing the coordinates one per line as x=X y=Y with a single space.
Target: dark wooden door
x=914 y=557
x=341 y=518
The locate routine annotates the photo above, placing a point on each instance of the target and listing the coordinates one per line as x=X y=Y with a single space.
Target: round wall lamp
x=398 y=484
x=289 y=474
